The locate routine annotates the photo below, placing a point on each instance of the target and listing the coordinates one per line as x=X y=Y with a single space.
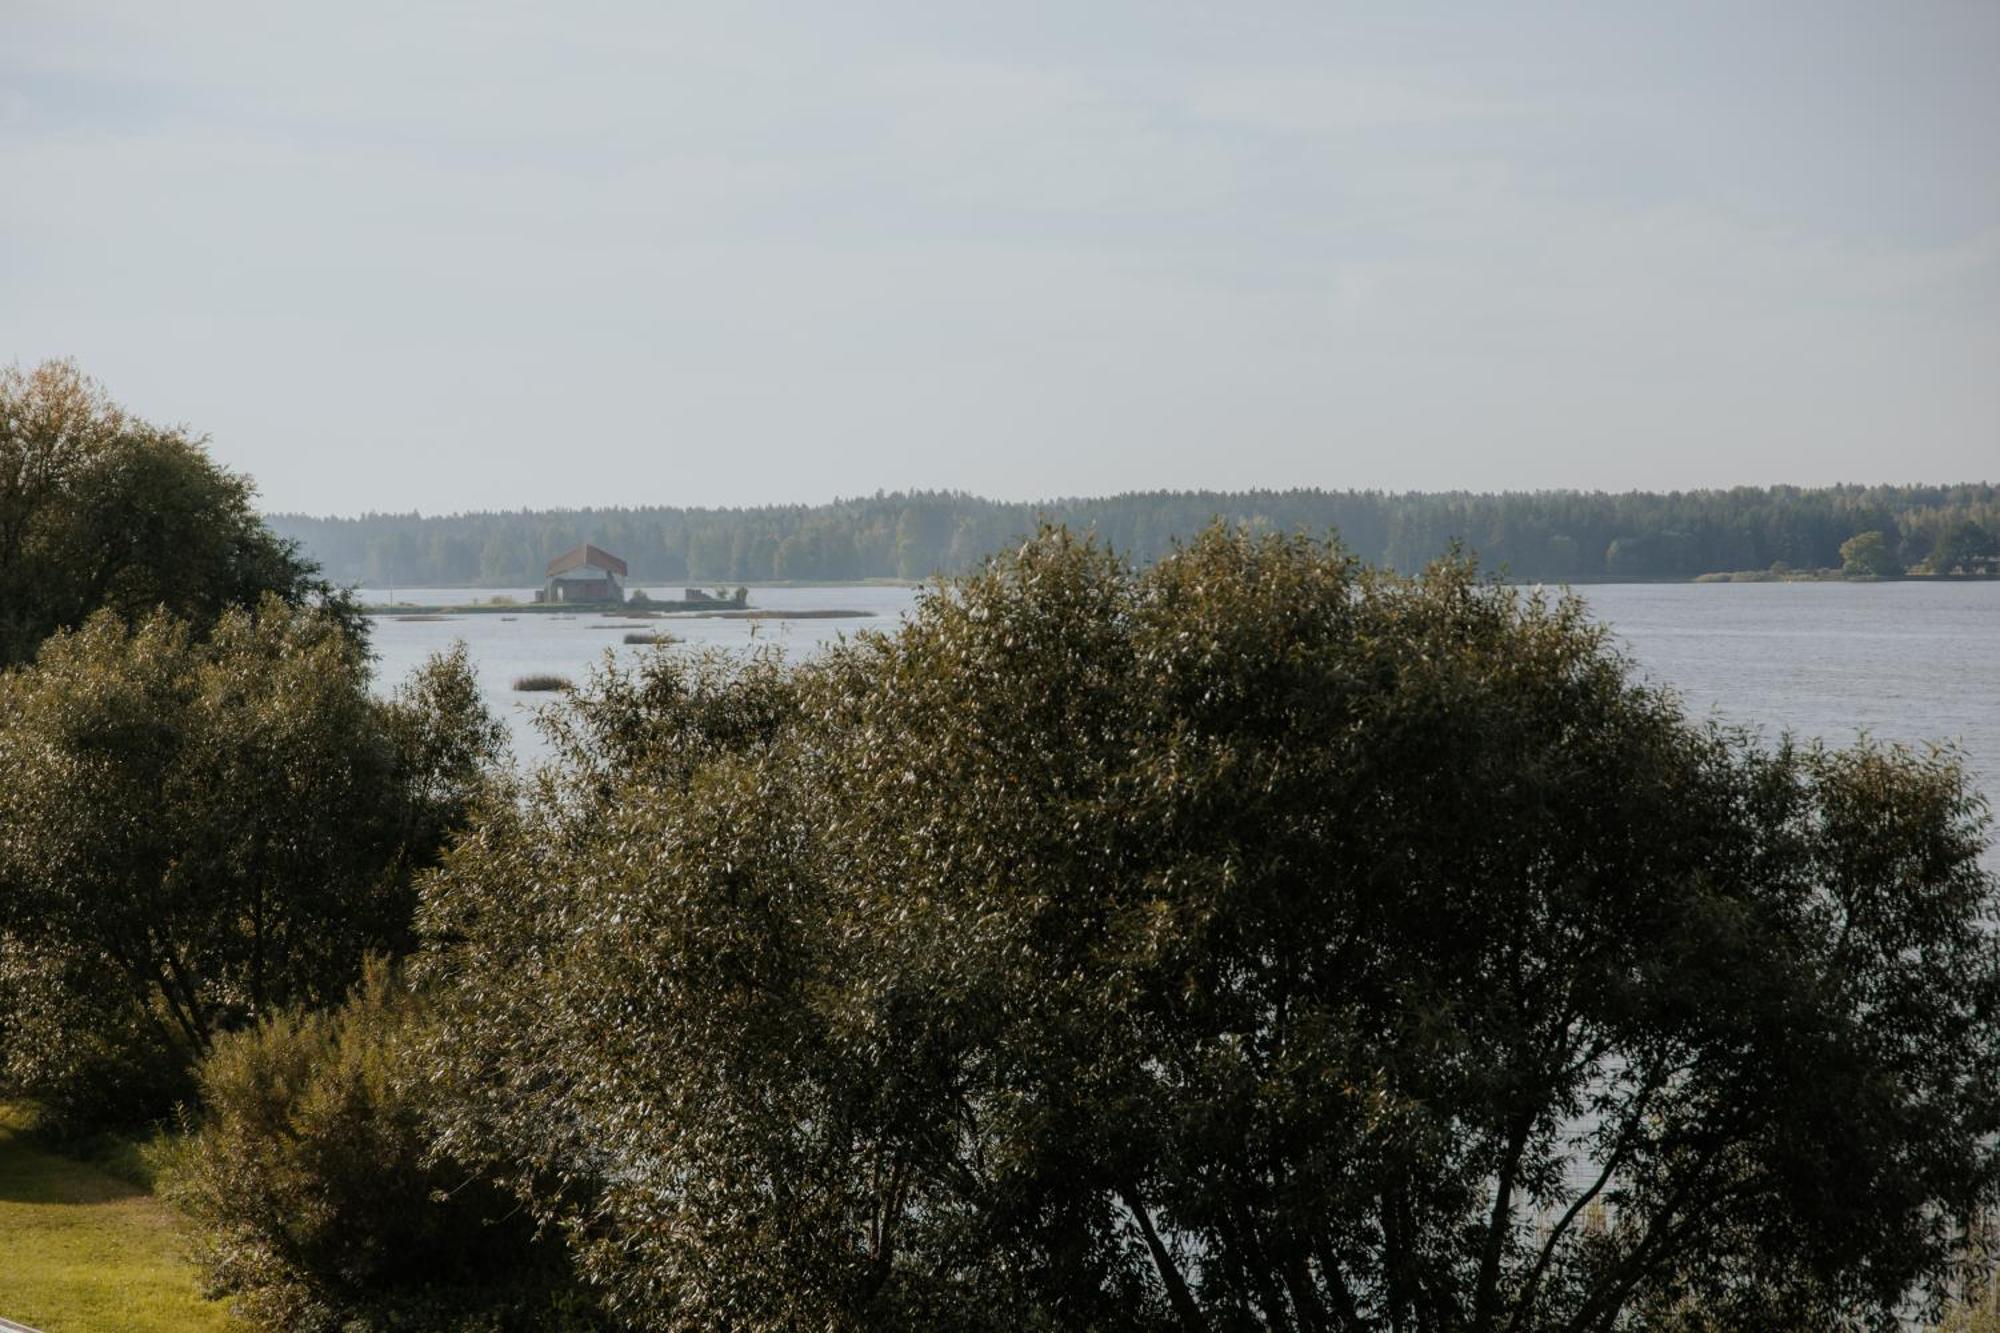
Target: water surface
x=1912 y=662
x=1909 y=661
x=505 y=647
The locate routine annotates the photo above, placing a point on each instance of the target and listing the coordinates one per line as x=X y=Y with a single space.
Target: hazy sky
x=448 y=256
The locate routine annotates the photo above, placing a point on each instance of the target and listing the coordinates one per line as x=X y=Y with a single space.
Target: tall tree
x=201 y=830
x=101 y=510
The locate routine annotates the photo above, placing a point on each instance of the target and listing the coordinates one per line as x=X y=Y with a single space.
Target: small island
x=586 y=578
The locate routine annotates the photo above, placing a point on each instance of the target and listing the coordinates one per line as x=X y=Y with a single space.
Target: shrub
x=315 y=1201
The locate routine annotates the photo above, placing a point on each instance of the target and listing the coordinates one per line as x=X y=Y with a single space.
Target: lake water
x=1902 y=661
x=505 y=648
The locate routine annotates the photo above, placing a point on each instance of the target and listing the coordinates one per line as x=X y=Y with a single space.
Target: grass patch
x=83 y=1249
x=649 y=638
x=540 y=683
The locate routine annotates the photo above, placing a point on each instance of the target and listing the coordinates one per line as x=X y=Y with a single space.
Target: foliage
x=84 y=1049
x=447 y=744
x=1869 y=556
x=540 y=683
x=100 y=510
x=199 y=831
x=1961 y=544
x=1546 y=535
x=1255 y=940
x=1980 y=1314
x=316 y=1204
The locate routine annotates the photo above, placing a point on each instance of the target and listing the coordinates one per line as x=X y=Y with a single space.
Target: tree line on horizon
x=1544 y=535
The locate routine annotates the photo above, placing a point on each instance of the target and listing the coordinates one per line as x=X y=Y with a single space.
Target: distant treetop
x=100 y=510
x=1544 y=535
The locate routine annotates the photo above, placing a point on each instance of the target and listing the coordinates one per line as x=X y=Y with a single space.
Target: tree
x=1869 y=555
x=1541 y=535
x=795 y=558
x=100 y=510
x=1960 y=544
x=200 y=831
x=1563 y=558
x=1254 y=941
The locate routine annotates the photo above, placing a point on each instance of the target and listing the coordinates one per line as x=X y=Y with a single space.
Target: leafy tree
x=200 y=831
x=100 y=510
x=1961 y=544
x=1254 y=941
x=315 y=1200
x=1869 y=555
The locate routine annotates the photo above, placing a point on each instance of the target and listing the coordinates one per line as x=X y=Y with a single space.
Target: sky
x=412 y=255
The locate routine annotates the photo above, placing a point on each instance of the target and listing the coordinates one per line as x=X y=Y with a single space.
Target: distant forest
x=1543 y=535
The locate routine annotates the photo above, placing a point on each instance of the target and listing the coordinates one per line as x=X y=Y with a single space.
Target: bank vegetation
x=1246 y=938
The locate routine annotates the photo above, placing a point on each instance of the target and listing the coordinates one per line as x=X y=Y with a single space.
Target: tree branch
x=1178 y=1294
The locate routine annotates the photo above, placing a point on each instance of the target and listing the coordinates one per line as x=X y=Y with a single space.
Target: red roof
x=586 y=555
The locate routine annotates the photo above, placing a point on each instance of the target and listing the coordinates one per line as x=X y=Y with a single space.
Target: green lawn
x=82 y=1251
